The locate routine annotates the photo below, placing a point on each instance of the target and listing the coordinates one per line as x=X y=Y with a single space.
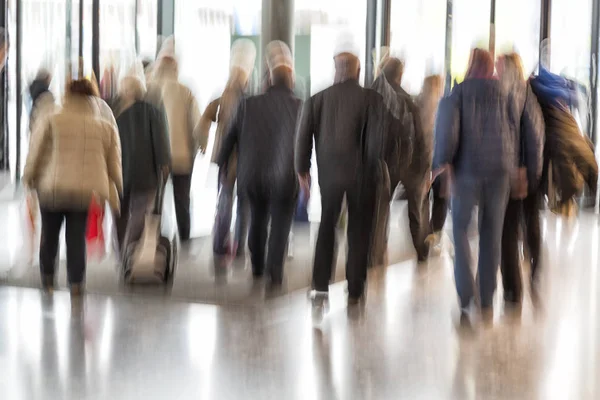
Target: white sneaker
x=320 y=305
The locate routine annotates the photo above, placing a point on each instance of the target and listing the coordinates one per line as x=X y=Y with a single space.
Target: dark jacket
x=474 y=133
x=263 y=131
x=345 y=122
x=145 y=146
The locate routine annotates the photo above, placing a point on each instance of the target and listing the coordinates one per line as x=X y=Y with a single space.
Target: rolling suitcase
x=150 y=253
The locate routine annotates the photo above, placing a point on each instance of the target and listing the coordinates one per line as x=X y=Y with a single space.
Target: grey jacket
x=478 y=131
x=263 y=131
x=345 y=121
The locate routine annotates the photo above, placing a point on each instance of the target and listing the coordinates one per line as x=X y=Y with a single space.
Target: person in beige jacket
x=75 y=155
x=183 y=124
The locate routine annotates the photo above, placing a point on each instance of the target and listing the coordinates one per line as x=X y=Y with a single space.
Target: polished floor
x=403 y=343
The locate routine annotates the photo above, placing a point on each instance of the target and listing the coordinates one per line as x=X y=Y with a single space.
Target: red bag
x=94 y=236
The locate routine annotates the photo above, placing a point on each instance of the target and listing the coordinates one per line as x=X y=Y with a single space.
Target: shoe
x=487 y=315
x=48 y=284
x=77 y=289
x=319 y=305
x=354 y=300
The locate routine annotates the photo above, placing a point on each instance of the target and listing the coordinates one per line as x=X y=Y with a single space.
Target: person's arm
x=231 y=136
x=113 y=161
x=533 y=131
x=160 y=142
x=40 y=138
x=208 y=117
x=447 y=131
x=194 y=116
x=304 y=138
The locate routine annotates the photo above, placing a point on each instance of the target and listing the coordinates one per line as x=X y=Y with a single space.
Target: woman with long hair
x=523 y=207
x=75 y=157
x=479 y=145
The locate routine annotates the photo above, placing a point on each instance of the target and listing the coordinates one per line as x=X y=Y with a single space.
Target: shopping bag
x=30 y=225
x=94 y=236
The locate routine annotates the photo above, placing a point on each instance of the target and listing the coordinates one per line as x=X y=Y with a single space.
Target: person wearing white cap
x=343 y=120
x=222 y=111
x=263 y=131
x=167 y=93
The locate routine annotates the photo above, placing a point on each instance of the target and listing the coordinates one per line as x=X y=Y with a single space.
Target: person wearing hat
x=166 y=92
x=223 y=111
x=263 y=131
x=342 y=120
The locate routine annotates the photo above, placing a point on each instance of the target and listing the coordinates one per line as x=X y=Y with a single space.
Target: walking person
x=145 y=154
x=264 y=132
x=167 y=93
x=223 y=111
x=75 y=157
x=341 y=119
x=410 y=166
x=480 y=148
x=524 y=204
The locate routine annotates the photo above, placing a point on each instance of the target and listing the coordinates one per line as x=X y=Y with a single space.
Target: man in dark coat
x=408 y=159
x=145 y=157
x=342 y=120
x=263 y=131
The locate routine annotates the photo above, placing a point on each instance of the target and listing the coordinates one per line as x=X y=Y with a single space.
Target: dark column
x=371 y=34
x=135 y=22
x=594 y=54
x=19 y=88
x=96 y=38
x=546 y=9
x=4 y=165
x=386 y=12
x=448 y=54
x=277 y=24
x=493 y=28
x=166 y=17
x=80 y=30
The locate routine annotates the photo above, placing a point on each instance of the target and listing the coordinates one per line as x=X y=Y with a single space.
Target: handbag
x=519 y=185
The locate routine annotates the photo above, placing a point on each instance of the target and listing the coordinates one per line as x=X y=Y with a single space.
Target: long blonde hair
x=511 y=71
x=428 y=100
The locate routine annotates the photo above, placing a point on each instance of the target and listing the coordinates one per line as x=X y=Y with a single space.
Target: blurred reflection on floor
x=403 y=344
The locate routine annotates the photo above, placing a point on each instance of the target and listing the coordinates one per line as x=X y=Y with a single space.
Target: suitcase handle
x=160 y=194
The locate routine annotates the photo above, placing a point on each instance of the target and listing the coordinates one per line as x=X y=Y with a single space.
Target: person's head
x=280 y=63
x=347 y=67
x=481 y=65
x=81 y=88
x=166 y=69
x=242 y=57
x=393 y=70
x=43 y=75
x=132 y=88
x=510 y=68
x=433 y=86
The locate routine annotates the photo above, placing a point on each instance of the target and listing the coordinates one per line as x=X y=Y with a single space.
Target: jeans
x=491 y=195
x=76 y=222
x=222 y=224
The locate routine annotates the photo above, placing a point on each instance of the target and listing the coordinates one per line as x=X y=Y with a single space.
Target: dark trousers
x=519 y=213
x=361 y=210
x=76 y=223
x=280 y=211
x=439 y=208
x=491 y=196
x=224 y=215
x=181 y=193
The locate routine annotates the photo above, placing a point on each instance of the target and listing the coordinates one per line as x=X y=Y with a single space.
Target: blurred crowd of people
x=498 y=143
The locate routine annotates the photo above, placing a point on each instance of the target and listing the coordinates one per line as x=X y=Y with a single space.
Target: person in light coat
x=167 y=93
x=75 y=156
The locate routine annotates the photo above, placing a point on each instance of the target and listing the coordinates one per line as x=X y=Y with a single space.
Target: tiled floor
x=403 y=343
